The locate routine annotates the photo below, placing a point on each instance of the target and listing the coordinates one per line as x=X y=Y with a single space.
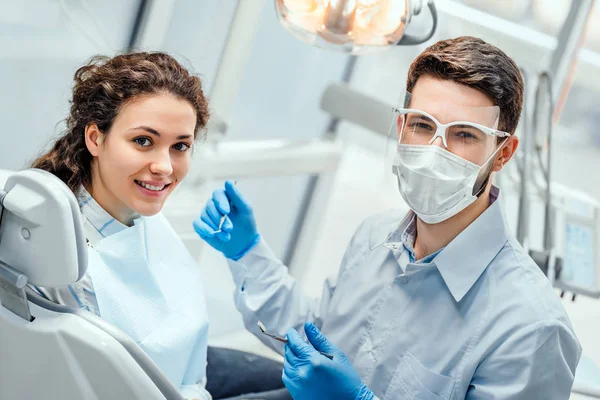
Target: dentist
x=442 y=303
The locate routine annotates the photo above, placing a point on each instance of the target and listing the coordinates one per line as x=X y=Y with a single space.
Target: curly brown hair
x=472 y=62
x=102 y=88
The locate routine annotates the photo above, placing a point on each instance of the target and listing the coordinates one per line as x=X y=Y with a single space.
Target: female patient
x=133 y=121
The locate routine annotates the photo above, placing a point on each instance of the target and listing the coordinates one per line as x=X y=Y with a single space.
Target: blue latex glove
x=238 y=234
x=307 y=374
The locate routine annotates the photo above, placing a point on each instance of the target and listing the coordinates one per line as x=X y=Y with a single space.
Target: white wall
x=39 y=53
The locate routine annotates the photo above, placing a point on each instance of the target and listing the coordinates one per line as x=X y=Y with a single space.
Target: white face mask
x=435 y=183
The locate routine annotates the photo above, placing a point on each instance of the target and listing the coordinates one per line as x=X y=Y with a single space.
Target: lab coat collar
x=386 y=230
x=465 y=258
x=104 y=223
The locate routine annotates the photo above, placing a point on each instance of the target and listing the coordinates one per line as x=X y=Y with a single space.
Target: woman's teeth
x=150 y=187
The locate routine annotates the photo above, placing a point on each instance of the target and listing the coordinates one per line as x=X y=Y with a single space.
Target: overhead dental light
x=354 y=26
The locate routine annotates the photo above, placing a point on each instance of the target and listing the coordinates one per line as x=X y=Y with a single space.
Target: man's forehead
x=448 y=112
x=428 y=88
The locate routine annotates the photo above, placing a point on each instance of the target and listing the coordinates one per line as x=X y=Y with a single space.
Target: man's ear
x=509 y=147
x=93 y=139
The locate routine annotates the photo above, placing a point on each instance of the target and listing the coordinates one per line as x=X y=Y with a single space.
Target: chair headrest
x=4 y=174
x=41 y=234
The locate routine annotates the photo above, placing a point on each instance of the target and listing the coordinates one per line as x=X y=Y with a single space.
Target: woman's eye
x=143 y=141
x=181 y=146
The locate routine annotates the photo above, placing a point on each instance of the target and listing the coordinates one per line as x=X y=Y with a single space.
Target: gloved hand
x=309 y=375
x=238 y=234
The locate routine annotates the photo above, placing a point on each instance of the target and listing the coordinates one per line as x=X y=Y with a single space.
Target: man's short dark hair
x=474 y=63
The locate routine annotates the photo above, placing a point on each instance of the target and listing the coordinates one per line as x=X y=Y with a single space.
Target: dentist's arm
x=265 y=290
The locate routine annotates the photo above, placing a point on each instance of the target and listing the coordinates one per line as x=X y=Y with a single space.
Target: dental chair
x=49 y=351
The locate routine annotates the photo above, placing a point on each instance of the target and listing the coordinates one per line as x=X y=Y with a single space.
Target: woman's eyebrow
x=157 y=134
